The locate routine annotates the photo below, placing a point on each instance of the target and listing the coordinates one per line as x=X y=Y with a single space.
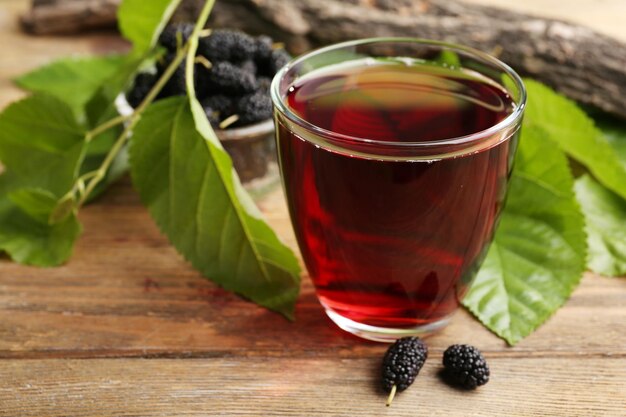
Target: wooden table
x=127 y=328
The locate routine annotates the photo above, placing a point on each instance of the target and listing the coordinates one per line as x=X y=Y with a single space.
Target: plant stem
x=228 y=121
x=100 y=173
x=105 y=126
x=169 y=71
x=95 y=177
x=193 y=45
x=392 y=394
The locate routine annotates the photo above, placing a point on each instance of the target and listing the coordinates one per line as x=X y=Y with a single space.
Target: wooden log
x=586 y=66
x=583 y=64
x=69 y=16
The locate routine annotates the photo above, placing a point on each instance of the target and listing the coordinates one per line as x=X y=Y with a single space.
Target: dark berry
x=263 y=52
x=202 y=81
x=275 y=61
x=253 y=108
x=264 y=84
x=176 y=85
x=228 y=78
x=141 y=87
x=213 y=116
x=217 y=46
x=279 y=59
x=402 y=363
x=221 y=104
x=227 y=45
x=244 y=47
x=169 y=37
x=465 y=366
x=248 y=65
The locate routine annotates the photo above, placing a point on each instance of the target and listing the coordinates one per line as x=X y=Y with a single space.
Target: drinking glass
x=392 y=222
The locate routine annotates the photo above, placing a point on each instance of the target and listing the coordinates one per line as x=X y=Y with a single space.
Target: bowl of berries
x=232 y=76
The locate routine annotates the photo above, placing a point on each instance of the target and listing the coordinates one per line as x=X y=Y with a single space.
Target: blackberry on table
x=465 y=366
x=168 y=38
x=228 y=78
x=253 y=108
x=219 y=103
x=141 y=87
x=402 y=363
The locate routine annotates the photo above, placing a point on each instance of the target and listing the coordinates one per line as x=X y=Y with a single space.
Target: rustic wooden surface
x=127 y=328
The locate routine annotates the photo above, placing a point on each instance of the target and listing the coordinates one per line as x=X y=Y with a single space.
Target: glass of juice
x=395 y=155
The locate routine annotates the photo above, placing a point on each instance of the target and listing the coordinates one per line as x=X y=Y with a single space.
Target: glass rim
x=510 y=120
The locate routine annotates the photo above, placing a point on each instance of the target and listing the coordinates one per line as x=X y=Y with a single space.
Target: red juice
x=390 y=241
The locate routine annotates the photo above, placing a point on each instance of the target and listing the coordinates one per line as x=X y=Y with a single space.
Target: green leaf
x=538 y=255
x=72 y=80
x=97 y=151
x=566 y=124
x=187 y=181
x=41 y=143
x=34 y=202
x=614 y=131
x=25 y=233
x=100 y=109
x=41 y=148
x=448 y=58
x=101 y=106
x=605 y=213
x=142 y=21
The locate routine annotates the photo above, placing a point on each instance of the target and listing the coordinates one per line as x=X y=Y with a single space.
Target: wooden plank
x=295 y=387
x=126 y=292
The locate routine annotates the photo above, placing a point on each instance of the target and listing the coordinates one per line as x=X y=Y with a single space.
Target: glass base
x=385 y=334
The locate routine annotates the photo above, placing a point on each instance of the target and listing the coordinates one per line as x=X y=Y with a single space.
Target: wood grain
x=524 y=387
x=127 y=293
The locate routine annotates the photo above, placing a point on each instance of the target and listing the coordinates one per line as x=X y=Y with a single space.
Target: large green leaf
x=72 y=80
x=101 y=108
x=614 y=131
x=538 y=255
x=41 y=143
x=568 y=126
x=101 y=105
x=89 y=86
x=41 y=147
x=188 y=183
x=142 y=21
x=605 y=213
x=25 y=232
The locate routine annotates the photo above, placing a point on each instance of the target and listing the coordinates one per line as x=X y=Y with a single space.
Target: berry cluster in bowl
x=232 y=74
